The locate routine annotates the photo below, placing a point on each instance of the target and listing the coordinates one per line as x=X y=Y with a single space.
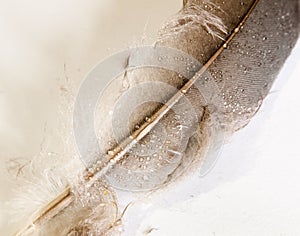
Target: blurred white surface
x=254 y=188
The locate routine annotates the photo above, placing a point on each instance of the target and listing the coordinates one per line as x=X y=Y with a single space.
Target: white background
x=254 y=188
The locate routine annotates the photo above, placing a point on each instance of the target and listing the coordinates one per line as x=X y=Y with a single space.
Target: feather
x=230 y=73
x=242 y=48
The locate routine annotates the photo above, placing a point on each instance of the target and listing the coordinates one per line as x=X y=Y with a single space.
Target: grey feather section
x=231 y=90
x=247 y=69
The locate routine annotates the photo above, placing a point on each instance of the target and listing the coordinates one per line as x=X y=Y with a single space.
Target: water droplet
x=123 y=162
x=110 y=152
x=145 y=177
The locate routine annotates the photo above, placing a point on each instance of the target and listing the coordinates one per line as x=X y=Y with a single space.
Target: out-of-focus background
x=253 y=189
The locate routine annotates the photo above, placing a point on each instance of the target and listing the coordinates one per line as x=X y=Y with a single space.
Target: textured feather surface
x=243 y=74
x=241 y=78
x=34 y=195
